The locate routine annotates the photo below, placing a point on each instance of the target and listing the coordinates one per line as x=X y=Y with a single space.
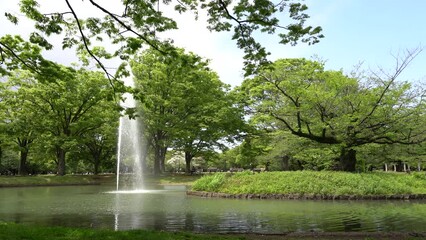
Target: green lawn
x=44 y=180
x=10 y=231
x=314 y=183
x=53 y=180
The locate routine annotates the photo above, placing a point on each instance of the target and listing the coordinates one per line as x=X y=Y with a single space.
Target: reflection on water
x=168 y=208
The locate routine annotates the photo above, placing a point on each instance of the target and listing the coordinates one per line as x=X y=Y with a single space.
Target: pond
x=169 y=208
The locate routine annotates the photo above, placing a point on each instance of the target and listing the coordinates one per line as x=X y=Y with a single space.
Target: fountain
x=129 y=147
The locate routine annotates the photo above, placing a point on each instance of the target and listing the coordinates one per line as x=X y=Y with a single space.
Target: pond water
x=169 y=208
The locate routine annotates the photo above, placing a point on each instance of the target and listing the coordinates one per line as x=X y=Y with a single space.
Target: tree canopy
x=328 y=107
x=135 y=24
x=62 y=111
x=183 y=104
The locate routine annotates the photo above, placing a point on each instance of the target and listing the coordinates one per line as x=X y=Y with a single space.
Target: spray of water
x=129 y=148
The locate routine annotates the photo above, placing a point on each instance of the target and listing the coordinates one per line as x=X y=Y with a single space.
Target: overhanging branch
x=399 y=68
x=17 y=57
x=127 y=26
x=109 y=76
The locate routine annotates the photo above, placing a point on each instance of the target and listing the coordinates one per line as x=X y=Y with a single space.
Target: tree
x=184 y=105
x=97 y=148
x=210 y=118
x=140 y=22
x=20 y=124
x=328 y=107
x=158 y=79
x=65 y=108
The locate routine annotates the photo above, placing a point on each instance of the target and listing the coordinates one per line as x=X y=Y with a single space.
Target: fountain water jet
x=129 y=148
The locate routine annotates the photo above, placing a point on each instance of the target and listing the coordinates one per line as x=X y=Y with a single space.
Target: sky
x=368 y=31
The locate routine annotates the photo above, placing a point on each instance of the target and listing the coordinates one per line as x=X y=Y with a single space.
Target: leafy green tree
x=285 y=152
x=142 y=21
x=101 y=144
x=158 y=80
x=184 y=105
x=2 y=120
x=65 y=108
x=210 y=119
x=248 y=152
x=377 y=156
x=19 y=122
x=328 y=107
x=19 y=54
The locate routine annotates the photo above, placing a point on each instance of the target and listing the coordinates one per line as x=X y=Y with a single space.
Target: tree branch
x=240 y=25
x=53 y=14
x=319 y=139
x=17 y=57
x=109 y=76
x=127 y=26
x=399 y=68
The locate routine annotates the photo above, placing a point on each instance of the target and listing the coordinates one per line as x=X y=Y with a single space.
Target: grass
x=174 y=179
x=53 y=180
x=10 y=231
x=310 y=182
x=48 y=180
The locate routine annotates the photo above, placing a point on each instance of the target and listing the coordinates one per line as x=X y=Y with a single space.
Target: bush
x=311 y=182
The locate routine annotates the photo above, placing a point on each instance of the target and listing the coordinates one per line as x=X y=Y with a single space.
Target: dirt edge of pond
x=306 y=196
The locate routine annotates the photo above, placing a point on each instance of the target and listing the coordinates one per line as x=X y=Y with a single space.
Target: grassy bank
x=53 y=180
x=10 y=231
x=173 y=179
x=314 y=183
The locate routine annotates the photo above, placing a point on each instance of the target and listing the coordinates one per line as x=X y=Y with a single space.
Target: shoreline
x=305 y=196
x=46 y=185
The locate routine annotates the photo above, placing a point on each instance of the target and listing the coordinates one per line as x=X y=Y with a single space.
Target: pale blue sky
x=366 y=30
x=355 y=30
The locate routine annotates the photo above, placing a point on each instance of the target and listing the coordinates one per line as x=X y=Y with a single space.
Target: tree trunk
x=163 y=159
x=285 y=163
x=1 y=155
x=188 y=158
x=96 y=164
x=348 y=160
x=23 y=163
x=157 y=160
x=60 y=155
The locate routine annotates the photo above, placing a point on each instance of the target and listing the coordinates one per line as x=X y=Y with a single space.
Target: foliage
x=184 y=105
x=9 y=164
x=61 y=112
x=143 y=21
x=211 y=183
x=299 y=96
x=375 y=156
x=310 y=182
x=100 y=145
x=19 y=123
x=281 y=151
